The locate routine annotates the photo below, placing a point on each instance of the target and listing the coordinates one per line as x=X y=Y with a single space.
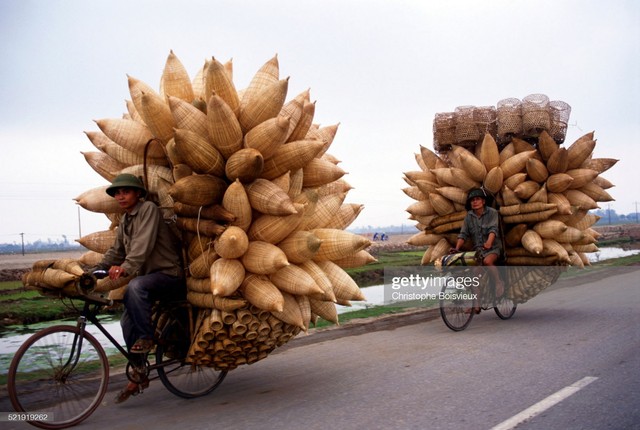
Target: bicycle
x=469 y=289
x=60 y=374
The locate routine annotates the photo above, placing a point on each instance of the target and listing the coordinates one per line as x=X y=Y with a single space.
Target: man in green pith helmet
x=144 y=249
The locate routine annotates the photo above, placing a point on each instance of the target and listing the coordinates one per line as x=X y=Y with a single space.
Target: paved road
x=424 y=376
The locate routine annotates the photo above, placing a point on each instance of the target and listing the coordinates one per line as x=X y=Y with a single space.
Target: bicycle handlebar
x=88 y=281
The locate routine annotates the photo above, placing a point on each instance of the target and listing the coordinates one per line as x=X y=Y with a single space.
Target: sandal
x=132 y=389
x=142 y=346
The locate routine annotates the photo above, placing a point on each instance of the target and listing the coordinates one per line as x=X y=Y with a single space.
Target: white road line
x=544 y=404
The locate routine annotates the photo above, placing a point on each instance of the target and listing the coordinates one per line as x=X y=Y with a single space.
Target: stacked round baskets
x=511 y=117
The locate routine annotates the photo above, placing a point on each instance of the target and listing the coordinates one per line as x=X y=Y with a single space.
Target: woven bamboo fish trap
x=268 y=198
x=261 y=292
x=290 y=157
x=104 y=165
x=321 y=279
x=236 y=201
x=198 y=190
x=344 y=287
x=336 y=244
x=232 y=243
x=218 y=81
x=198 y=153
x=360 y=258
x=294 y=280
x=466 y=128
x=509 y=119
x=226 y=276
x=444 y=131
x=99 y=241
x=300 y=246
x=265 y=104
x=264 y=258
x=535 y=114
x=268 y=136
x=97 y=200
x=275 y=228
x=245 y=164
x=188 y=117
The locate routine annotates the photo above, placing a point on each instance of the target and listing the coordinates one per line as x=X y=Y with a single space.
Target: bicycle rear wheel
x=456 y=307
x=505 y=308
x=60 y=371
x=179 y=377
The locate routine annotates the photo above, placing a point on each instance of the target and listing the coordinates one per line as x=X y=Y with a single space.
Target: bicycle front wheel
x=179 y=377
x=60 y=372
x=456 y=307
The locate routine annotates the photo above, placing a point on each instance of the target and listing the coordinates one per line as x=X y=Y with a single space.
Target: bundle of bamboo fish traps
x=259 y=202
x=544 y=190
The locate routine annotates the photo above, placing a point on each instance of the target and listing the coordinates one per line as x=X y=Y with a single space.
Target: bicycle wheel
x=179 y=377
x=61 y=372
x=505 y=308
x=456 y=307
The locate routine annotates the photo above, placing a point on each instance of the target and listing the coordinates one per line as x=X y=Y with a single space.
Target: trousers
x=141 y=294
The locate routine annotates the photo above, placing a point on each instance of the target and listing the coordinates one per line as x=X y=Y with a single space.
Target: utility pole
x=636 y=203
x=22 y=238
x=79 y=226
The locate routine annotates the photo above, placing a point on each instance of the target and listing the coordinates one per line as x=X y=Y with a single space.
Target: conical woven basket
x=175 y=80
x=224 y=129
x=266 y=104
x=198 y=153
x=337 y=244
x=344 y=287
x=236 y=201
x=318 y=172
x=268 y=198
x=264 y=258
x=294 y=280
x=218 y=81
x=232 y=243
x=274 y=228
x=291 y=157
x=245 y=164
x=300 y=246
x=189 y=117
x=321 y=279
x=99 y=241
x=97 y=200
x=226 y=276
x=261 y=293
x=268 y=136
x=157 y=116
x=198 y=190
x=103 y=165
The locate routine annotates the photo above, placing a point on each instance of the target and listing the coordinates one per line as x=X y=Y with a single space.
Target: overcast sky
x=382 y=69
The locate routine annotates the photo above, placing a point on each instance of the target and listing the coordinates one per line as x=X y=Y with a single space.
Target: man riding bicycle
x=482 y=226
x=145 y=249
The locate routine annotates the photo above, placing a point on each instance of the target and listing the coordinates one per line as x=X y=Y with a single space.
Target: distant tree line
x=40 y=245
x=609 y=216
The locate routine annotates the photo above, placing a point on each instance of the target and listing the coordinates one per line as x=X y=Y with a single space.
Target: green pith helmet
x=478 y=192
x=126 y=180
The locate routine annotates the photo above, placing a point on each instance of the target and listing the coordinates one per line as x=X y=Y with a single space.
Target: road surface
x=567 y=360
